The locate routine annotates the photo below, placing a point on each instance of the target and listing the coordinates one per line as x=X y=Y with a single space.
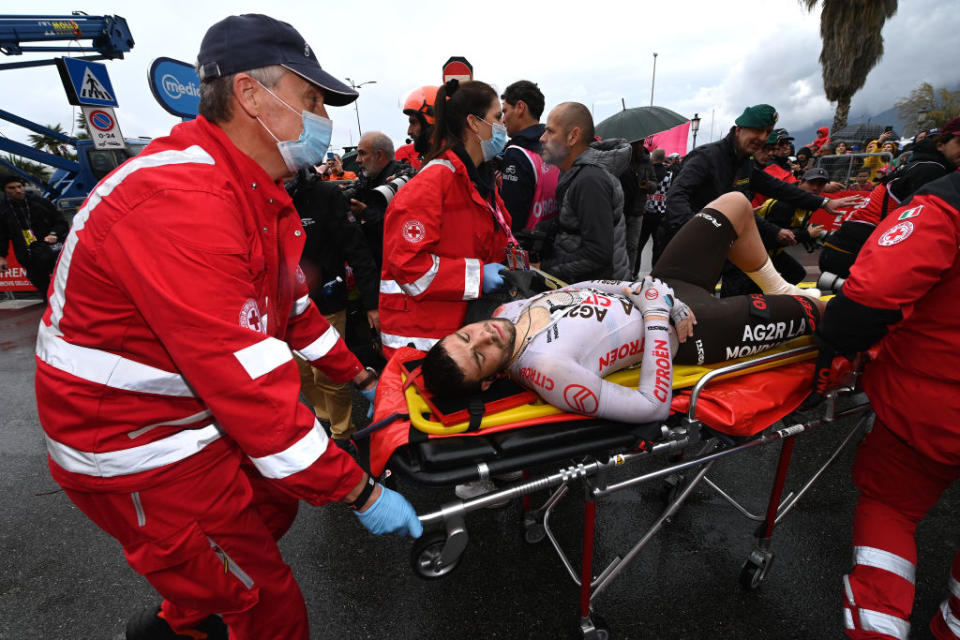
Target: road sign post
x=458 y=68
x=86 y=83
x=102 y=125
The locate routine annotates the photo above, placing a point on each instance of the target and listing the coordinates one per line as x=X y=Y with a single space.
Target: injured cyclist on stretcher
x=562 y=343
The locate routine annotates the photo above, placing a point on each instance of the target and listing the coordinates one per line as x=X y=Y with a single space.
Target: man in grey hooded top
x=590 y=238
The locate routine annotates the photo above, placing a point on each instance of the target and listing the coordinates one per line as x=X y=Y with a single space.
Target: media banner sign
x=176 y=86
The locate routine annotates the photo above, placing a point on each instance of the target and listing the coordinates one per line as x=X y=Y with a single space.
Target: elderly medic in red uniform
x=165 y=380
x=902 y=295
x=446 y=231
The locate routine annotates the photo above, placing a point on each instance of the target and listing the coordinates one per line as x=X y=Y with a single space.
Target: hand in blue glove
x=369 y=395
x=492 y=278
x=391 y=513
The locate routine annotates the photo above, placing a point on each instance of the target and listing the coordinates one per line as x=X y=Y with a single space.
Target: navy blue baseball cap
x=253 y=40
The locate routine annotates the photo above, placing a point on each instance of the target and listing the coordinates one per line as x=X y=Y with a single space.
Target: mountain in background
x=805 y=136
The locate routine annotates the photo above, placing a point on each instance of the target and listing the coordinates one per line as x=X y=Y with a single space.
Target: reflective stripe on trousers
x=881 y=559
x=153 y=455
x=856 y=619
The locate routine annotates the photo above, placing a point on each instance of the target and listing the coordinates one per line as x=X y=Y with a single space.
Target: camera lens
x=830 y=282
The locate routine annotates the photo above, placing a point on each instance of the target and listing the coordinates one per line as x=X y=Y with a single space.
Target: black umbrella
x=638 y=123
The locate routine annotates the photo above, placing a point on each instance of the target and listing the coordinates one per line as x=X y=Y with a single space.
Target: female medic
x=446 y=231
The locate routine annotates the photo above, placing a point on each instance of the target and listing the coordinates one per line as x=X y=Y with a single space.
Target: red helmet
x=420 y=103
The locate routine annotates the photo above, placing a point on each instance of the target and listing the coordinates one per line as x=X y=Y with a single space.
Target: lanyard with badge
x=24 y=219
x=516 y=257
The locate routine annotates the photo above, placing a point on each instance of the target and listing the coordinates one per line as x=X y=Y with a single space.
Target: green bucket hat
x=757 y=117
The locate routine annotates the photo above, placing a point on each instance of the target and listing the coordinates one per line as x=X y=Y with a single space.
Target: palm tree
x=47 y=143
x=852 y=46
x=82 y=132
x=33 y=168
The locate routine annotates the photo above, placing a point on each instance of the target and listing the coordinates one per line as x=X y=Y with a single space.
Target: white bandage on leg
x=771 y=282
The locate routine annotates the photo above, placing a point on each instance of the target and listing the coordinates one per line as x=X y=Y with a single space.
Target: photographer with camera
x=35 y=228
x=381 y=178
x=332 y=240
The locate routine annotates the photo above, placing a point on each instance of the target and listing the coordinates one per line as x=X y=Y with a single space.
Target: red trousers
x=898 y=486
x=207 y=543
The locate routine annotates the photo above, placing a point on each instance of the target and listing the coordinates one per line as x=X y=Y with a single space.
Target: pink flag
x=671 y=141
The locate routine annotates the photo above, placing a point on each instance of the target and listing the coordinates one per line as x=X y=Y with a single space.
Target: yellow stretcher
x=684 y=377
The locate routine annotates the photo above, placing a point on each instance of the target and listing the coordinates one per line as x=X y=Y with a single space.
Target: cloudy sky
x=714 y=57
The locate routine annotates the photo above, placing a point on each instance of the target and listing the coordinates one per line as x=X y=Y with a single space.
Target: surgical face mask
x=494 y=145
x=309 y=149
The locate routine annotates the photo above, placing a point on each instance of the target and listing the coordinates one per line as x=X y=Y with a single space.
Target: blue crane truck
x=110 y=38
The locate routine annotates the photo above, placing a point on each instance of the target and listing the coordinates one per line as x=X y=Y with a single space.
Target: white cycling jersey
x=594 y=330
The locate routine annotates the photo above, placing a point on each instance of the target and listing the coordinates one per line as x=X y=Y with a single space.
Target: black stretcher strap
x=475 y=407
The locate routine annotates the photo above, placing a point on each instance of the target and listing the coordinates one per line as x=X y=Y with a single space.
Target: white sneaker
x=477 y=488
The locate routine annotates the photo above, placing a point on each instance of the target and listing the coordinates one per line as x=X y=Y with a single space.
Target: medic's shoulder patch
x=413 y=231
x=250 y=316
x=910 y=213
x=896 y=234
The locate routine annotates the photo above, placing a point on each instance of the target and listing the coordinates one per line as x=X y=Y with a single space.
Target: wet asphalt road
x=62 y=578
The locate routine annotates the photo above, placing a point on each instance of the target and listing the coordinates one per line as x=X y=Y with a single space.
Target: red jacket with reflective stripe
x=438 y=234
x=166 y=346
x=911 y=262
x=870 y=210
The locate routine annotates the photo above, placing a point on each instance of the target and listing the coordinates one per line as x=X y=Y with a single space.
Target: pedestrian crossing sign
x=86 y=83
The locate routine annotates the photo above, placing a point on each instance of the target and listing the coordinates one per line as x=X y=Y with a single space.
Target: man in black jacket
x=332 y=240
x=35 y=228
x=381 y=178
x=589 y=242
x=727 y=165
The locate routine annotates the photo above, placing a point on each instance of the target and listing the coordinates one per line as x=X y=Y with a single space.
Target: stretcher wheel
x=425 y=557
x=533 y=532
x=755 y=570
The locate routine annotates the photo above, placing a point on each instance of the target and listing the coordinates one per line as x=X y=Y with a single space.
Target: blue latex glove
x=492 y=278
x=370 y=394
x=391 y=513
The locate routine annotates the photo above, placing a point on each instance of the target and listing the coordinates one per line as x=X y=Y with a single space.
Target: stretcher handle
x=739 y=366
x=380 y=424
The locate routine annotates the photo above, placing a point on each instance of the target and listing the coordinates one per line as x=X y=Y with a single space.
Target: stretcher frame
x=438 y=552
